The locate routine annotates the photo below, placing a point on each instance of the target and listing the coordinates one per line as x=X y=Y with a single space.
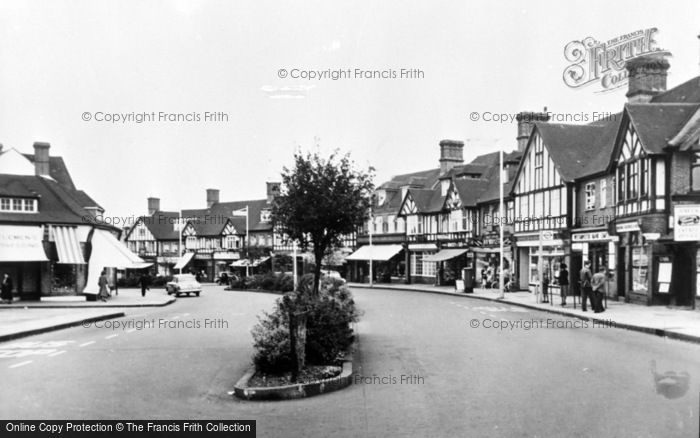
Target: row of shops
x=641 y=267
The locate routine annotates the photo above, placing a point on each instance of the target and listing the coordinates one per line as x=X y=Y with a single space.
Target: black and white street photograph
x=349 y=218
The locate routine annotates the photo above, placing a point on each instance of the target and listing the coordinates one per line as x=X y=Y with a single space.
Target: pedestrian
x=598 y=287
x=103 y=283
x=6 y=289
x=586 y=289
x=545 y=287
x=563 y=283
x=144 y=281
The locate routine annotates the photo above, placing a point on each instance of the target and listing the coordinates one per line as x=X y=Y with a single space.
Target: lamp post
x=371 y=225
x=179 y=235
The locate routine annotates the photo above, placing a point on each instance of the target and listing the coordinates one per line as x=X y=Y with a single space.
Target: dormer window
x=18 y=205
x=265 y=216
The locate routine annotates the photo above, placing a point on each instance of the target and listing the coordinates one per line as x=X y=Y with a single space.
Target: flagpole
x=247 y=243
x=371 y=225
x=500 y=227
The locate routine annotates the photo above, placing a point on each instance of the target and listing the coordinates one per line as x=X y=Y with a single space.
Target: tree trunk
x=293 y=346
x=297 y=341
x=318 y=254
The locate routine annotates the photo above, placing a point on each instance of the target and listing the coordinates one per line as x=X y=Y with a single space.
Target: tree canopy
x=322 y=200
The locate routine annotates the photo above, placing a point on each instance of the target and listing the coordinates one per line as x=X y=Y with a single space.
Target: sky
x=67 y=66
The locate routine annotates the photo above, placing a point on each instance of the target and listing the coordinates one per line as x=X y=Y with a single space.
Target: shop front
x=23 y=258
x=540 y=253
x=387 y=263
x=659 y=264
x=449 y=264
x=420 y=269
x=486 y=259
x=598 y=247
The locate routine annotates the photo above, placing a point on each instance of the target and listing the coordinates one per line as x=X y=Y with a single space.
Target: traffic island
x=243 y=391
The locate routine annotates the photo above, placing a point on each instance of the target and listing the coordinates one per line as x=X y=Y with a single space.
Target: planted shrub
x=328 y=326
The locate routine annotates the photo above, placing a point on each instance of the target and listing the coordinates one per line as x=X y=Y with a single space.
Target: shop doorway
x=622 y=268
x=683 y=277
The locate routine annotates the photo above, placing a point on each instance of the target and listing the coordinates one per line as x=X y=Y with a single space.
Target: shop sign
x=21 y=243
x=627 y=227
x=590 y=237
x=686 y=221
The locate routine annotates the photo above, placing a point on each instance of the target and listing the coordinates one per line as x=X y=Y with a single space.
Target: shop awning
x=379 y=253
x=21 y=244
x=68 y=246
x=143 y=265
x=107 y=252
x=242 y=263
x=184 y=260
x=444 y=254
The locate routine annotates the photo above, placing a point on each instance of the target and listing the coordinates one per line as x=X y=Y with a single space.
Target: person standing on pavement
x=103 y=283
x=545 y=287
x=586 y=289
x=144 y=281
x=563 y=283
x=6 y=289
x=598 y=287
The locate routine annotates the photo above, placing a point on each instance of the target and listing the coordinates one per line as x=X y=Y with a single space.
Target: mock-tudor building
x=623 y=193
x=53 y=237
x=212 y=240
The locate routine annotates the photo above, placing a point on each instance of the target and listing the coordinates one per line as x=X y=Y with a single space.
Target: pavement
x=27 y=318
x=670 y=322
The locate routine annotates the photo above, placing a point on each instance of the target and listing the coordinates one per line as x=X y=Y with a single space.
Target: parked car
x=332 y=274
x=183 y=284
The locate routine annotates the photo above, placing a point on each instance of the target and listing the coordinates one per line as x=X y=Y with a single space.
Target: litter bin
x=468 y=278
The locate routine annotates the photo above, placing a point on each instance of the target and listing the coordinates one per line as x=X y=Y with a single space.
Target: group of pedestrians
x=592 y=286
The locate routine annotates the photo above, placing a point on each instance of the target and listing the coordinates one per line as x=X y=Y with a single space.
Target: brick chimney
x=451 y=154
x=153 y=205
x=41 y=158
x=212 y=197
x=526 y=121
x=273 y=190
x=646 y=78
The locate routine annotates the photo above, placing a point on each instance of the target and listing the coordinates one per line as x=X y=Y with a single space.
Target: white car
x=332 y=274
x=183 y=284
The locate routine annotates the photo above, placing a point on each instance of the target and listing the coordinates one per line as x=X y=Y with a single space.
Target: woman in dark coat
x=6 y=289
x=103 y=283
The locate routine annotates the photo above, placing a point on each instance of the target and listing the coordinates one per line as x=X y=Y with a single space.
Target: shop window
x=417 y=264
x=695 y=175
x=590 y=196
x=640 y=269
x=64 y=279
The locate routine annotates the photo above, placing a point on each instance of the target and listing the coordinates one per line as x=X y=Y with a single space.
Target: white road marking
x=21 y=364
x=86 y=344
x=131 y=331
x=111 y=336
x=57 y=353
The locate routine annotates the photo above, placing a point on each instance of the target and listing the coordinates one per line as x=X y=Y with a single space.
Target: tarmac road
x=429 y=365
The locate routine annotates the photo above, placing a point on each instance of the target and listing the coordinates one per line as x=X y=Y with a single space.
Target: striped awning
x=68 y=246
